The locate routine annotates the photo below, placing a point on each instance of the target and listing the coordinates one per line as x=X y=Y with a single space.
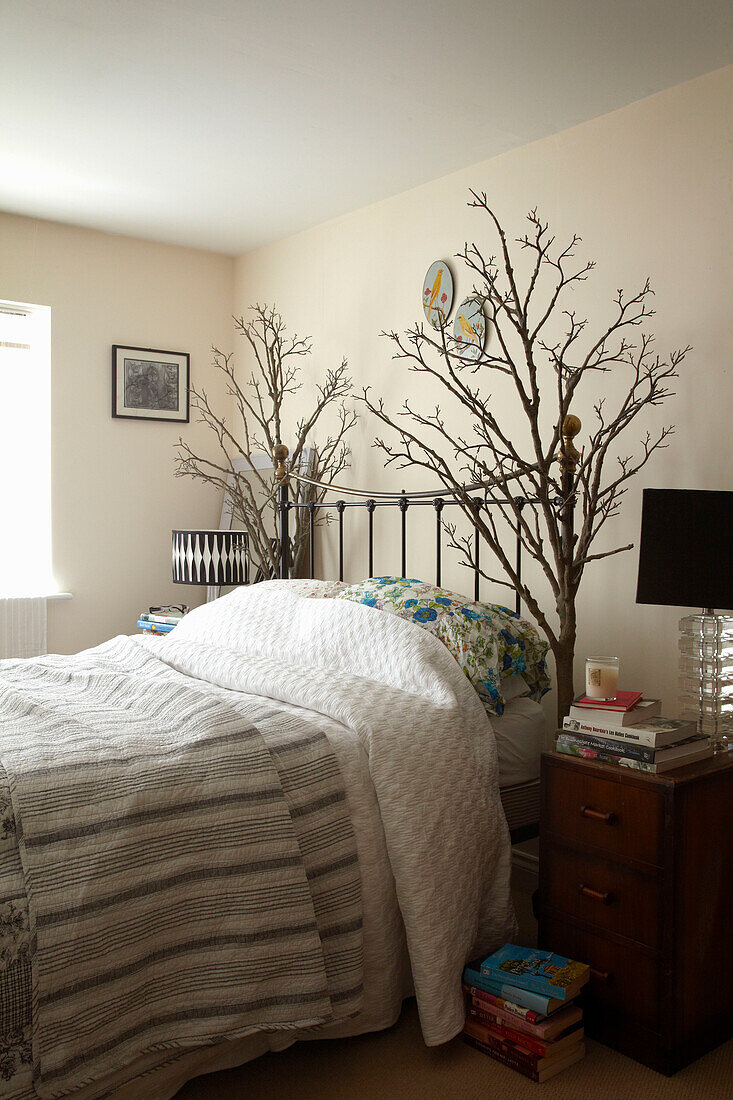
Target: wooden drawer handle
x=594 y=895
x=597 y=815
x=601 y=976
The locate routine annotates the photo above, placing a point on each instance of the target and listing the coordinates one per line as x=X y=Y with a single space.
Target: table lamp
x=686 y=560
x=215 y=558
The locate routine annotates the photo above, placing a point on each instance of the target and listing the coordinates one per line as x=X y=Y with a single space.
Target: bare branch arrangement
x=260 y=405
x=510 y=459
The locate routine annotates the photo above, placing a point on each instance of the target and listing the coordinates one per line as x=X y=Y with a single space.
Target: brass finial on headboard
x=281 y=470
x=569 y=456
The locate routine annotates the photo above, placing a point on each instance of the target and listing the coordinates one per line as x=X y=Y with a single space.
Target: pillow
x=310 y=589
x=514 y=687
x=490 y=642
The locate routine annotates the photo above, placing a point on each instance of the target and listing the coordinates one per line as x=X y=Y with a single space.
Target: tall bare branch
x=528 y=462
x=260 y=405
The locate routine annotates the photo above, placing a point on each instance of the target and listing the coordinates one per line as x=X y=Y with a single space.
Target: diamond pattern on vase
x=210 y=557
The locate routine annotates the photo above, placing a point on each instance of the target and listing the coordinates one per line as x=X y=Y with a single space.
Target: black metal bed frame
x=439 y=500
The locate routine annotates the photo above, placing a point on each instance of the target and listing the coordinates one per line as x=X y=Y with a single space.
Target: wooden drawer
x=623 y=990
x=607 y=895
x=662 y=847
x=616 y=817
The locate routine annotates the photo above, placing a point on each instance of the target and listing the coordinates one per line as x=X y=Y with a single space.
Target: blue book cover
x=535 y=970
x=523 y=997
x=155 y=628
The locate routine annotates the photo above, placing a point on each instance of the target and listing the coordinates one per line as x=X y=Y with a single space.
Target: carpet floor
x=397 y=1064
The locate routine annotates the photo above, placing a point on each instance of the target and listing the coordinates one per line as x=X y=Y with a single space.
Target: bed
x=291 y=823
x=517 y=719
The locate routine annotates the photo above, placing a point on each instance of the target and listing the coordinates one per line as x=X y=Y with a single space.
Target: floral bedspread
x=490 y=642
x=15 y=965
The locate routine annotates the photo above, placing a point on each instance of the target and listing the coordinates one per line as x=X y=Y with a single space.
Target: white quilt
x=424 y=730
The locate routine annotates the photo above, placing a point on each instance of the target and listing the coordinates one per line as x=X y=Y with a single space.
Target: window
x=25 y=450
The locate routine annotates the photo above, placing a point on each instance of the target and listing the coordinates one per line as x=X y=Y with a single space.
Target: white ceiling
x=225 y=124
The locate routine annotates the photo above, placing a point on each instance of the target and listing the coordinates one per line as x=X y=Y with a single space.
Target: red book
x=625 y=700
x=499 y=1029
x=500 y=1042
x=496 y=1025
x=534 y=1074
x=520 y=1056
x=488 y=1000
x=546 y=1029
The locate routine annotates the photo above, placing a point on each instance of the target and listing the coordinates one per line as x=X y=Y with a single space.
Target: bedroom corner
x=339 y=757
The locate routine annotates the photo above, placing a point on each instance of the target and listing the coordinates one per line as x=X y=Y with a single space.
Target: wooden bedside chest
x=636 y=878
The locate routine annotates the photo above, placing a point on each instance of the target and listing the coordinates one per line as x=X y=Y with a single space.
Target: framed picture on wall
x=148 y=384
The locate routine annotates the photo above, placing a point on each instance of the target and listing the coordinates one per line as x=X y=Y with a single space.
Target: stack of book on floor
x=520 y=1010
x=630 y=731
x=158 y=624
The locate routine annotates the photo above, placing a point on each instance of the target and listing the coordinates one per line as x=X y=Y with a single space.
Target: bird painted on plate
x=468 y=329
x=434 y=294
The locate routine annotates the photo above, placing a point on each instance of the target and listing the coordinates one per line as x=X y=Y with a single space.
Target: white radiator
x=23 y=627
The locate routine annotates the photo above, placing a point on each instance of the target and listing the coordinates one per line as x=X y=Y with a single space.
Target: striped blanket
x=174 y=869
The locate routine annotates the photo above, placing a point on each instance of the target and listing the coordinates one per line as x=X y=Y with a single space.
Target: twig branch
x=260 y=404
x=547 y=351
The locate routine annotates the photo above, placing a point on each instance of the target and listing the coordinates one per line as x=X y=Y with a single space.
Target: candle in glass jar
x=601 y=677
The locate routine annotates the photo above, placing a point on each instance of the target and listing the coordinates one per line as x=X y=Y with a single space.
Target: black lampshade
x=686 y=551
x=210 y=557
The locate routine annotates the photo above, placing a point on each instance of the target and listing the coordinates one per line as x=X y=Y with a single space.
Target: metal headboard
x=438 y=499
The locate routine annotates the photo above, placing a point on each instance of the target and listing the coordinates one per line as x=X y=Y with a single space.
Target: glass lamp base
x=706 y=676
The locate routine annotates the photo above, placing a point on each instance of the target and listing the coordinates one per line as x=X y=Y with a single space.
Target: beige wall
x=115 y=498
x=649 y=189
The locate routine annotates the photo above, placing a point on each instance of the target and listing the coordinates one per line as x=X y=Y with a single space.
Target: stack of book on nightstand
x=158 y=624
x=520 y=1010
x=630 y=731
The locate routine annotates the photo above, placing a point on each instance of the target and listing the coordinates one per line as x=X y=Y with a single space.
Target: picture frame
x=150 y=384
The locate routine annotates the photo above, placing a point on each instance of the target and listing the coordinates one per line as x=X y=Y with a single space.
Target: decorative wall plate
x=469 y=328
x=437 y=293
